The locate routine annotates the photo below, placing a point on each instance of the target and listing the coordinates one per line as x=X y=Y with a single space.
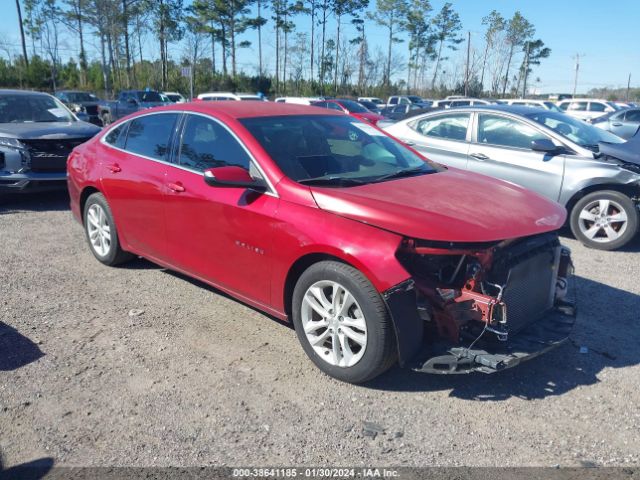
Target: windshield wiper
x=407 y=172
x=332 y=181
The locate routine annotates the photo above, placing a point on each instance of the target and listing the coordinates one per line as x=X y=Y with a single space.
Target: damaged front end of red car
x=481 y=306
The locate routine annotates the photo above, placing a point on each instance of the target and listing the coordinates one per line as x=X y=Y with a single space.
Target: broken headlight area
x=14 y=155
x=478 y=301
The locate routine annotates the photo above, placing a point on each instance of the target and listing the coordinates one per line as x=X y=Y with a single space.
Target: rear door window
x=578 y=107
x=633 y=116
x=448 y=127
x=150 y=135
x=597 y=107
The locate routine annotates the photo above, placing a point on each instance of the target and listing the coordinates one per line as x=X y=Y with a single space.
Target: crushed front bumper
x=543 y=335
x=32 y=181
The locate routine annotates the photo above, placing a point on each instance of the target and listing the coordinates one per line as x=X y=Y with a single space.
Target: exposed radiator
x=530 y=289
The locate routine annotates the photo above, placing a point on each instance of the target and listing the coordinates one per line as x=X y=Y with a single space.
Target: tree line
x=299 y=47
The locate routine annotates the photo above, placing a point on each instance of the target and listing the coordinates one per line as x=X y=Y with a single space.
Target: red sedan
x=353 y=108
x=374 y=253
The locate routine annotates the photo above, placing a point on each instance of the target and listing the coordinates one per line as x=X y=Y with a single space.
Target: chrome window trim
x=271 y=191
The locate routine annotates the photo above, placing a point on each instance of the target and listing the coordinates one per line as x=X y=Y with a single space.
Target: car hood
x=48 y=130
x=450 y=206
x=628 y=151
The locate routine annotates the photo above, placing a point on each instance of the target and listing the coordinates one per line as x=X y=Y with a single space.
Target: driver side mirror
x=233 y=176
x=544 y=145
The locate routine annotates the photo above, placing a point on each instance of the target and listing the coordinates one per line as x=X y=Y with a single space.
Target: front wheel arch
x=627 y=190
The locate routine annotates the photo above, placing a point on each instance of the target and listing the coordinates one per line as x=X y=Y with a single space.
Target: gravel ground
x=196 y=378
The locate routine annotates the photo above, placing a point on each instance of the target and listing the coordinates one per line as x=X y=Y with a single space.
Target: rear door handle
x=410 y=143
x=479 y=156
x=616 y=124
x=176 y=187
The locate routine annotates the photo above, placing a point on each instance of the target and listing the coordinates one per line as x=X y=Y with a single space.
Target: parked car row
x=548 y=152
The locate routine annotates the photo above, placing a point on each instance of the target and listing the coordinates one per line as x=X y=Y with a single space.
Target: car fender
x=601 y=174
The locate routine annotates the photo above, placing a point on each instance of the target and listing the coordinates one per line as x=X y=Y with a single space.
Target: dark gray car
x=624 y=123
x=37 y=133
x=548 y=152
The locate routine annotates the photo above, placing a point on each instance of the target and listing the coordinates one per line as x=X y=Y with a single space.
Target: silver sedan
x=545 y=151
x=624 y=123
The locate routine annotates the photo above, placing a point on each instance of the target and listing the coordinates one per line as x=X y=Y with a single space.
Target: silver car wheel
x=98 y=230
x=334 y=324
x=603 y=220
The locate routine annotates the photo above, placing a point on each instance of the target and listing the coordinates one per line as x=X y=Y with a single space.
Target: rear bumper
x=32 y=181
x=539 y=337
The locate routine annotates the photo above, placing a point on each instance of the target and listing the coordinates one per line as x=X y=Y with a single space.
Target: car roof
x=568 y=100
x=248 y=109
x=21 y=92
x=501 y=108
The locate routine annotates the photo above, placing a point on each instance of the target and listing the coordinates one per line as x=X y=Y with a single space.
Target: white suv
x=587 y=108
x=527 y=102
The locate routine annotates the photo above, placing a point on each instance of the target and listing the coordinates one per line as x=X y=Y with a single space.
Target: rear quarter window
x=117 y=136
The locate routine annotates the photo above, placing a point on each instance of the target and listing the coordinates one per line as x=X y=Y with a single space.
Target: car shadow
x=57 y=200
x=606 y=335
x=16 y=350
x=33 y=470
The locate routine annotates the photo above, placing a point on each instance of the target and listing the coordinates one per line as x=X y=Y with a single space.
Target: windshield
x=149 y=97
x=353 y=107
x=333 y=150
x=81 y=97
x=33 y=108
x=575 y=130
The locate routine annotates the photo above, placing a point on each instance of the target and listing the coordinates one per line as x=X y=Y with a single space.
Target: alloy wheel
x=334 y=324
x=603 y=220
x=99 y=230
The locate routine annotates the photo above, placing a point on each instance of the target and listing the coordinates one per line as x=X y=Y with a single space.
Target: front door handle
x=479 y=156
x=410 y=143
x=616 y=124
x=176 y=187
x=114 y=168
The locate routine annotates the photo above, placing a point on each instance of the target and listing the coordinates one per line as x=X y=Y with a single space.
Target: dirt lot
x=199 y=379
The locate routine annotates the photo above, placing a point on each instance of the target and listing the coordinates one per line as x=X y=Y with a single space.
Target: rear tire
x=101 y=232
x=604 y=220
x=354 y=318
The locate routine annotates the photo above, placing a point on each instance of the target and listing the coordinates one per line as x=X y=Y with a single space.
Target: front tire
x=342 y=322
x=101 y=232
x=604 y=220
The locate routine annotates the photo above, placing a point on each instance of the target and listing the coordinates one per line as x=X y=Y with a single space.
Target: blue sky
x=605 y=32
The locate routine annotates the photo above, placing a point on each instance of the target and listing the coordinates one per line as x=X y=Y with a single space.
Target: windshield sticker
x=368 y=129
x=58 y=112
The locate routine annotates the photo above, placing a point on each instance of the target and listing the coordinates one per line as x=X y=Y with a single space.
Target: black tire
x=600 y=242
x=115 y=255
x=106 y=118
x=380 y=352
